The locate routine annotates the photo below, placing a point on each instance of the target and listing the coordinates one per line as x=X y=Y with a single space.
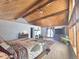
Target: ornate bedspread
x=25 y=49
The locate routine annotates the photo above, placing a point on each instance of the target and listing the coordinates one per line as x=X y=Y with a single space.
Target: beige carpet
x=59 y=51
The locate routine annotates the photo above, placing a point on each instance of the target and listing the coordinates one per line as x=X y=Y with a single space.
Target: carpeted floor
x=60 y=51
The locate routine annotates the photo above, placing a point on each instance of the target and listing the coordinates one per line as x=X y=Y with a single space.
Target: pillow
x=35 y=48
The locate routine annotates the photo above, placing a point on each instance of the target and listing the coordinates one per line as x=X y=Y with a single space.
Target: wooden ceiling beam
x=38 y=7
x=38 y=1
x=54 y=14
x=39 y=4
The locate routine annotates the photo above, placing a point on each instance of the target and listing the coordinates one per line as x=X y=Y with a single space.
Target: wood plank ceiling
x=9 y=9
x=37 y=12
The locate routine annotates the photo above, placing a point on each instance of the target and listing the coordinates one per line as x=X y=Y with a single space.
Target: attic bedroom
x=39 y=29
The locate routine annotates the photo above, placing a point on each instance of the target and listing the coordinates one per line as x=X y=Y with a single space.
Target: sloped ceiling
x=56 y=20
x=10 y=9
x=37 y=12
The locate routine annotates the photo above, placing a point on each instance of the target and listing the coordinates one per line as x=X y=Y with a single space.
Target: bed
x=37 y=49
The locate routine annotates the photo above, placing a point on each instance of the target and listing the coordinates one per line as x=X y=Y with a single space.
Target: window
x=50 y=32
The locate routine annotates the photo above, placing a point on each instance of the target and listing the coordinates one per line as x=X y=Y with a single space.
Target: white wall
x=9 y=30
